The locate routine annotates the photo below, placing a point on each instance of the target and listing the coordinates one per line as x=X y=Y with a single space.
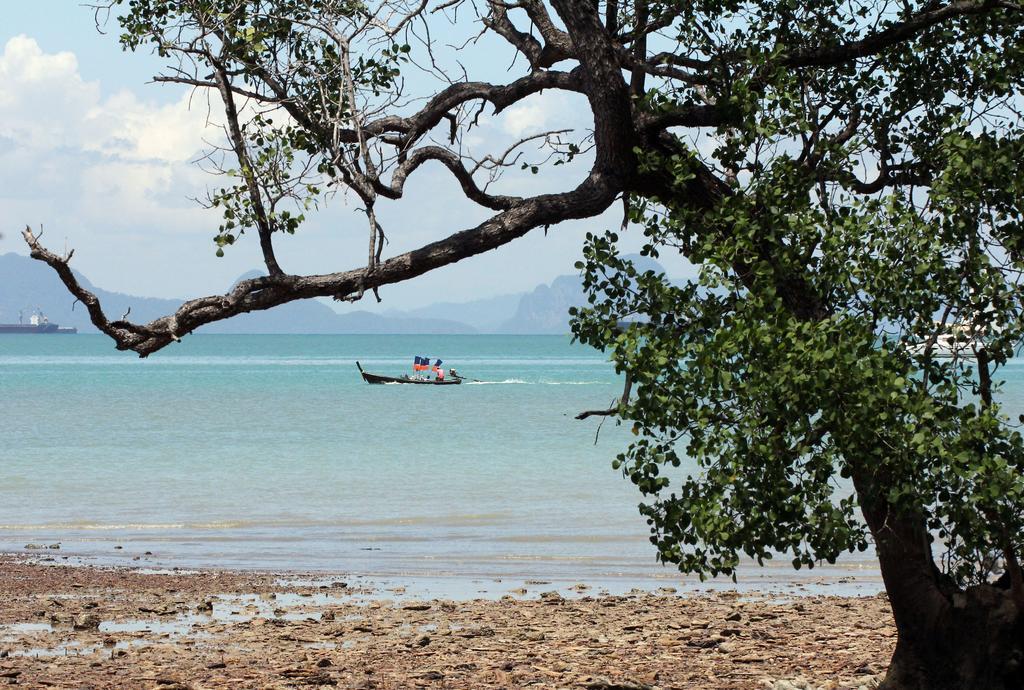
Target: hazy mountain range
x=27 y=285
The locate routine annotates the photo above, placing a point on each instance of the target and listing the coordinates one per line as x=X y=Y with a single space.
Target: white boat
x=37 y=323
x=949 y=346
x=961 y=340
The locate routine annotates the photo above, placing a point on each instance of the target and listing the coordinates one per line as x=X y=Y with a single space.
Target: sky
x=104 y=161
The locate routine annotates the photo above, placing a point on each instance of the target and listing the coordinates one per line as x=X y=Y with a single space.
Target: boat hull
x=379 y=378
x=23 y=329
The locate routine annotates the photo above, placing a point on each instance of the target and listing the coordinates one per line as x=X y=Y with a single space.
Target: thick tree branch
x=663 y=21
x=451 y=161
x=499 y=23
x=637 y=79
x=554 y=36
x=615 y=134
x=898 y=176
x=499 y=96
x=879 y=41
x=413 y=126
x=684 y=116
x=590 y=198
x=121 y=331
x=665 y=58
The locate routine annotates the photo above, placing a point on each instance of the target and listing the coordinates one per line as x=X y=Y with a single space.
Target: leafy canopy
x=797 y=375
x=294 y=65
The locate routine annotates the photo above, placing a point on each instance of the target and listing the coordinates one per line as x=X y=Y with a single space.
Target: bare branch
x=124 y=334
x=616 y=408
x=263 y=224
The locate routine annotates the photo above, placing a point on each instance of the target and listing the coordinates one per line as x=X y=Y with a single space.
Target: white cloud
x=103 y=170
x=549 y=110
x=119 y=161
x=37 y=93
x=526 y=118
x=45 y=104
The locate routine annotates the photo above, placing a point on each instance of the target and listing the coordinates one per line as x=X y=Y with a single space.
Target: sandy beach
x=90 y=627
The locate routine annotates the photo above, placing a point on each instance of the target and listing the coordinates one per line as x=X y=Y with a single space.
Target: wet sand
x=90 y=627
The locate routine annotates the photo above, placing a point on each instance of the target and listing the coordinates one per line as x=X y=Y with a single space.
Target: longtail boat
x=379 y=378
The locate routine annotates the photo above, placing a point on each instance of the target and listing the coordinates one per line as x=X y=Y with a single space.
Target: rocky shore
x=89 y=627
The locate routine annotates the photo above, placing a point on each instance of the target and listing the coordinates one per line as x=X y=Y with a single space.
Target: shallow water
x=270 y=452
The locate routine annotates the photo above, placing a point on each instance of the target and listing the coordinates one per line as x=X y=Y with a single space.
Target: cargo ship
x=37 y=323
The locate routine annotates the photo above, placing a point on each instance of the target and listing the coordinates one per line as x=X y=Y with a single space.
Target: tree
x=849 y=179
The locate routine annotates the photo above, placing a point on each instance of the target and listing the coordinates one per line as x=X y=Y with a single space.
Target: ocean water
x=270 y=452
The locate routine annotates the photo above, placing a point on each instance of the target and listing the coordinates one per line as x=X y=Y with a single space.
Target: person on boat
x=439 y=371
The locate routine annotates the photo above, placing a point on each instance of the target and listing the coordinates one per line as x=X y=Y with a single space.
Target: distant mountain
x=26 y=285
x=546 y=309
x=370 y=323
x=485 y=315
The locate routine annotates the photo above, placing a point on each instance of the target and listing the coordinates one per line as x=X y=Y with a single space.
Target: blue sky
x=103 y=161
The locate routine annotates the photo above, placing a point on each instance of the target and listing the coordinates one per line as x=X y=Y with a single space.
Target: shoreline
x=111 y=627
x=465 y=576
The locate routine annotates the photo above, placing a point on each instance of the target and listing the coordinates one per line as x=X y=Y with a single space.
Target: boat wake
x=535 y=383
x=495 y=383
x=574 y=383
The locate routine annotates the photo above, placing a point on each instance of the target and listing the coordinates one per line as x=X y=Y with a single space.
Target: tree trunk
x=948 y=638
x=976 y=643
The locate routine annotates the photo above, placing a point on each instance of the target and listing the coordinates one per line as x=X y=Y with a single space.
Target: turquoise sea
x=270 y=452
